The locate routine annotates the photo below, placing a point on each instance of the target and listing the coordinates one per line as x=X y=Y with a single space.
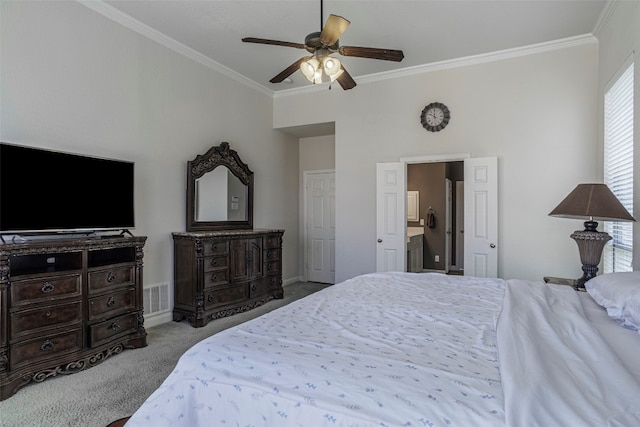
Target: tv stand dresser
x=66 y=305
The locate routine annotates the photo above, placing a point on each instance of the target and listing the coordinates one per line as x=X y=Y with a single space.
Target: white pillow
x=619 y=293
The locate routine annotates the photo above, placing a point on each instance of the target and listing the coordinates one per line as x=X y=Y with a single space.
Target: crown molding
x=155 y=35
x=604 y=17
x=500 y=55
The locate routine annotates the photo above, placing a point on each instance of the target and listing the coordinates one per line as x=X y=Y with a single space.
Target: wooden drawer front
x=263 y=286
x=45 y=288
x=215 y=263
x=216 y=278
x=272 y=267
x=272 y=242
x=53 y=317
x=222 y=296
x=102 y=280
x=112 y=304
x=271 y=254
x=108 y=330
x=42 y=348
x=216 y=248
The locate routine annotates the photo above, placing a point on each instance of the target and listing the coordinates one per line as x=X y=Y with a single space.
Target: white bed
x=406 y=349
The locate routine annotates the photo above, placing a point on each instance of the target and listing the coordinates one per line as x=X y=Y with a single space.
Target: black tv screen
x=50 y=191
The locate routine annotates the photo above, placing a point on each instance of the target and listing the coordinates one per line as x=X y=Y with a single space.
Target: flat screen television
x=45 y=191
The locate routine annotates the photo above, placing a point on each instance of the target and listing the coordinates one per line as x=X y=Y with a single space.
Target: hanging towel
x=431 y=219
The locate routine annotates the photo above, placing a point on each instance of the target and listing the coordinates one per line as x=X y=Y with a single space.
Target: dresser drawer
x=216 y=248
x=223 y=296
x=103 y=280
x=272 y=267
x=271 y=254
x=103 y=332
x=112 y=304
x=46 y=347
x=35 y=320
x=272 y=242
x=263 y=286
x=215 y=263
x=216 y=278
x=45 y=288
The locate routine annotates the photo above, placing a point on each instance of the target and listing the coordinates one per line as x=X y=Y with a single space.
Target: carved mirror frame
x=216 y=156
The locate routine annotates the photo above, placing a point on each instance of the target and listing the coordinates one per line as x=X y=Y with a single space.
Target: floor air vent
x=156 y=299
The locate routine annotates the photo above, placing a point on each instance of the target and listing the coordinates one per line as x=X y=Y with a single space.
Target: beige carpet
x=118 y=386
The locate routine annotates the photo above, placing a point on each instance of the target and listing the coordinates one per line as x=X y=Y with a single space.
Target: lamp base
x=590 y=245
x=589 y=273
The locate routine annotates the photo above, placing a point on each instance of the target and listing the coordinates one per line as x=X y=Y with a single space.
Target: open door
x=448 y=191
x=391 y=220
x=481 y=217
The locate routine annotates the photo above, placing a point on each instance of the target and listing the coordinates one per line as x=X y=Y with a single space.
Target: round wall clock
x=435 y=117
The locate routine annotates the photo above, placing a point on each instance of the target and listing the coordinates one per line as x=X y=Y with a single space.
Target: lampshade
x=593 y=202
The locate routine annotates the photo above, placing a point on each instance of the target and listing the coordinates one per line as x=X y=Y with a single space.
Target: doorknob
x=492 y=245
x=379 y=240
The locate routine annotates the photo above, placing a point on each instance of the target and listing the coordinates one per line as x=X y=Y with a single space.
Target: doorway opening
x=438 y=191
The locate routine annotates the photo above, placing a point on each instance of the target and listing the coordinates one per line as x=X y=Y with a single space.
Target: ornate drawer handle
x=253 y=287
x=214 y=247
x=46 y=345
x=47 y=287
x=214 y=261
x=114 y=326
x=273 y=280
x=269 y=254
x=210 y=298
x=111 y=302
x=111 y=277
x=214 y=277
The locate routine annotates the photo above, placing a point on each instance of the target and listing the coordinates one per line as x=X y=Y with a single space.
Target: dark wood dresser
x=220 y=273
x=67 y=305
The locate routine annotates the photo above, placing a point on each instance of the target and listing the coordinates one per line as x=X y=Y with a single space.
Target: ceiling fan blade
x=273 y=42
x=333 y=29
x=345 y=80
x=288 y=71
x=372 y=53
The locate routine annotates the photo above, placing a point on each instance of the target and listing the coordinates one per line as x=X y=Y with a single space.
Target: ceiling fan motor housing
x=312 y=43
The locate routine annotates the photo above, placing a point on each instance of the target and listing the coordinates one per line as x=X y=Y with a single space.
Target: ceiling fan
x=322 y=45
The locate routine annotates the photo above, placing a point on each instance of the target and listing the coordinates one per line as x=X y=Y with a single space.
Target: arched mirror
x=219 y=191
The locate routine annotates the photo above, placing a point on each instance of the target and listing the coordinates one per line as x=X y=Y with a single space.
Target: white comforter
x=389 y=349
x=557 y=370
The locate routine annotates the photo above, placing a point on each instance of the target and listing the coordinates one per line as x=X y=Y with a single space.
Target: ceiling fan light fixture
x=331 y=66
x=309 y=68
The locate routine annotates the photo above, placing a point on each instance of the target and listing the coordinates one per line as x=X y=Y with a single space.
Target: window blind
x=618 y=169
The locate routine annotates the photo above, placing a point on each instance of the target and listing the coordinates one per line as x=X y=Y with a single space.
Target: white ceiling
x=427 y=31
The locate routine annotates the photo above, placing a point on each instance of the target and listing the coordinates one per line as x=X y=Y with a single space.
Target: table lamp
x=595 y=202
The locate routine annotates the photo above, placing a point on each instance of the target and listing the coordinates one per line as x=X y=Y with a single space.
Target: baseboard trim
x=158 y=319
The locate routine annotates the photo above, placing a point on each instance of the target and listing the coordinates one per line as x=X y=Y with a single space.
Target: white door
x=459 y=228
x=320 y=242
x=481 y=217
x=391 y=196
x=448 y=191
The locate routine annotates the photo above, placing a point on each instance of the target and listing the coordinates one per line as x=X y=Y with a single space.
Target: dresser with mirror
x=222 y=265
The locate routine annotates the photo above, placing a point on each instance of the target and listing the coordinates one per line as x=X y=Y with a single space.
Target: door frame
x=305 y=233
